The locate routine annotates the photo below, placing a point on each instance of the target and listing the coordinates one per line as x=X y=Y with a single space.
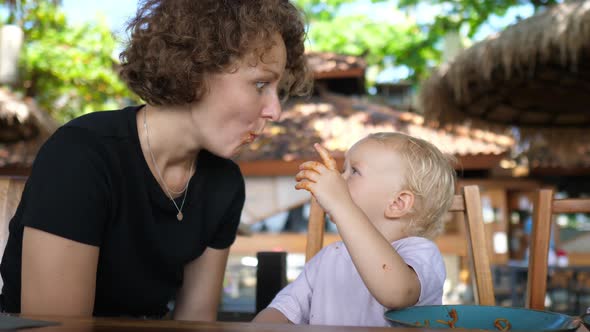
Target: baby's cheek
x=354 y=195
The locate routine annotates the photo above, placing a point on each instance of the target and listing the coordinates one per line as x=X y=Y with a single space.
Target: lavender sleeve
x=294 y=301
x=423 y=256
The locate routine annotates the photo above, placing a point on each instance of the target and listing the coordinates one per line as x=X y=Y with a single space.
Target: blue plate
x=482 y=317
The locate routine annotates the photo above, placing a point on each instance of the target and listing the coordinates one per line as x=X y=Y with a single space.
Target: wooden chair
x=469 y=204
x=11 y=189
x=545 y=206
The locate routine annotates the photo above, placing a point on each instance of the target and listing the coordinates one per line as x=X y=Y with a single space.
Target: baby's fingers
x=306 y=185
x=326 y=157
x=313 y=166
x=307 y=175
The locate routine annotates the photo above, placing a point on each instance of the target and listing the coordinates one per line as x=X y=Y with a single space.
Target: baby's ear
x=400 y=205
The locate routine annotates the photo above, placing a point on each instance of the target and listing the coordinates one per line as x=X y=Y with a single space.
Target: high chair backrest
x=469 y=204
x=544 y=208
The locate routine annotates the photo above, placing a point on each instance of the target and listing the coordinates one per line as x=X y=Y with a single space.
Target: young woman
x=128 y=210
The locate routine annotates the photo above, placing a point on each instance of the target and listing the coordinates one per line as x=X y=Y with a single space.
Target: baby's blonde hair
x=430 y=177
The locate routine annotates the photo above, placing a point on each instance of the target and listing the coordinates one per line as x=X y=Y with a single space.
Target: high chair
x=469 y=204
x=545 y=206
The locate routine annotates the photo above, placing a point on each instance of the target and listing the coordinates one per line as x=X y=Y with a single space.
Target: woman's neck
x=171 y=134
x=167 y=144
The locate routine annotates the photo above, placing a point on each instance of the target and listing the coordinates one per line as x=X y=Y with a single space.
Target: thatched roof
x=534 y=76
x=23 y=129
x=337 y=122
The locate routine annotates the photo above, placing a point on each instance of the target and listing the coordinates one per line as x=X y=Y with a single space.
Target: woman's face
x=239 y=102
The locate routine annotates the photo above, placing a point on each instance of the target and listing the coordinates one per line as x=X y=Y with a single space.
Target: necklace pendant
x=179 y=216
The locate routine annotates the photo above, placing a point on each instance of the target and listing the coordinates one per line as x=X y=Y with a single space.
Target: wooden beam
x=451 y=244
x=289 y=242
x=290 y=168
x=15 y=170
x=570 y=205
x=559 y=171
x=508 y=183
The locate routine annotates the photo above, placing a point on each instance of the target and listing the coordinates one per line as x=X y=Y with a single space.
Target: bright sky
x=117 y=12
x=425 y=13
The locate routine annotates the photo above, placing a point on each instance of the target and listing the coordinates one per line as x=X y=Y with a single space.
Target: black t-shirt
x=90 y=183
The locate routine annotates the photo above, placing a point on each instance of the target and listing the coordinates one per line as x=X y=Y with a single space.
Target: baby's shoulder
x=416 y=245
x=331 y=253
x=414 y=241
x=331 y=250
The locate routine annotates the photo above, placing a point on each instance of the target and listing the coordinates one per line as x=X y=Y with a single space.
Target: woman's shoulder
x=88 y=136
x=111 y=123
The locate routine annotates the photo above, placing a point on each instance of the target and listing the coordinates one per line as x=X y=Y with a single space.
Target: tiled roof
x=325 y=62
x=23 y=129
x=337 y=122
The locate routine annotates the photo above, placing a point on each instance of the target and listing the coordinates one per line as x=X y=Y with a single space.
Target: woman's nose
x=272 y=110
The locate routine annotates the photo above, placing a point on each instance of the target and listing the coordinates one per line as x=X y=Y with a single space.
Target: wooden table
x=131 y=325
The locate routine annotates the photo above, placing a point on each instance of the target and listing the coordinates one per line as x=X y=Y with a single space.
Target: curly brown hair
x=174 y=44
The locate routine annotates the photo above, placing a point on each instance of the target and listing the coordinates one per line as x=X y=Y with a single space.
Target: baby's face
x=374 y=172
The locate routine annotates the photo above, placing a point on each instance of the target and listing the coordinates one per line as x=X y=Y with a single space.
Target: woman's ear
x=400 y=205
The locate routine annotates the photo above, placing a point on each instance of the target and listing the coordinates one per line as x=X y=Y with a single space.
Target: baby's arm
x=389 y=279
x=387 y=276
x=293 y=303
x=270 y=315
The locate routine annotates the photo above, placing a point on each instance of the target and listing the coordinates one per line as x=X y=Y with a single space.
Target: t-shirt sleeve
x=228 y=227
x=424 y=257
x=67 y=192
x=294 y=301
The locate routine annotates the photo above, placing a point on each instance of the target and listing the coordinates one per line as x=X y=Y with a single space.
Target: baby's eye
x=354 y=170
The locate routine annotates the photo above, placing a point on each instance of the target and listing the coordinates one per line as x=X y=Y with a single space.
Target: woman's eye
x=283 y=96
x=261 y=85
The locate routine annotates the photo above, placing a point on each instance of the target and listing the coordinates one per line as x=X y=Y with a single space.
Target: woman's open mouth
x=250 y=138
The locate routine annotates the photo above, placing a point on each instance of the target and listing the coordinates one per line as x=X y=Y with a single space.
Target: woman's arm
x=199 y=296
x=58 y=275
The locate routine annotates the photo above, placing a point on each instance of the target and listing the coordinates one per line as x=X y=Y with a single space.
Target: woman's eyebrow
x=275 y=74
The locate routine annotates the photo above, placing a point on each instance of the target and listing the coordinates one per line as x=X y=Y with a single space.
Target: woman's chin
x=231 y=150
x=237 y=150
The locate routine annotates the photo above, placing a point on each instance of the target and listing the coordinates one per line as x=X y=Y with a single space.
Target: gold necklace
x=179 y=216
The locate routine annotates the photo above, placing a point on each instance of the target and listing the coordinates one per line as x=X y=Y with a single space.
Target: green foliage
x=378 y=41
x=374 y=40
x=323 y=9
x=404 y=41
x=69 y=70
x=471 y=14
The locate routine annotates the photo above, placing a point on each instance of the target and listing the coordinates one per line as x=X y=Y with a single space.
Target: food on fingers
x=328 y=160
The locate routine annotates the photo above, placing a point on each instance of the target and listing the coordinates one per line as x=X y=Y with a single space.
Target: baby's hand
x=323 y=181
